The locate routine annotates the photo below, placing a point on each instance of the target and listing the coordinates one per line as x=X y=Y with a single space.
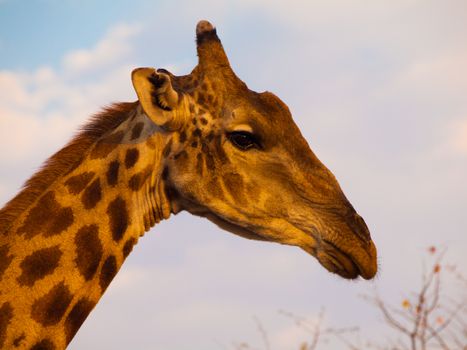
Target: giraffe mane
x=64 y=161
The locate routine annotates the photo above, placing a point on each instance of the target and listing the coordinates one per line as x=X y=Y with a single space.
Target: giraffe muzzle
x=348 y=264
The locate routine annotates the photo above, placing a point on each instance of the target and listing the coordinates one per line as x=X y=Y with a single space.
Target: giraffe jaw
x=329 y=255
x=347 y=263
x=233 y=228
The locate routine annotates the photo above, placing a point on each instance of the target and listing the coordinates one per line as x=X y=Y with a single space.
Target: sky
x=379 y=90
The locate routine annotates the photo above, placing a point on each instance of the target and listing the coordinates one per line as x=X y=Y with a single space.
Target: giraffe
x=201 y=142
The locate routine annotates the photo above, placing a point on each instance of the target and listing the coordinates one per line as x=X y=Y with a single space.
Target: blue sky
x=378 y=89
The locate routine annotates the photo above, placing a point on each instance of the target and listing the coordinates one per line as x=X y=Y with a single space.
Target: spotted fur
x=118 y=217
x=92 y=195
x=89 y=250
x=39 y=264
x=63 y=161
x=49 y=309
x=76 y=317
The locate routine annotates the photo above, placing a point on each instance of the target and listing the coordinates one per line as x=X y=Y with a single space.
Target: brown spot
x=88 y=251
x=204 y=147
x=6 y=314
x=210 y=136
x=182 y=136
x=41 y=215
x=106 y=145
x=5 y=259
x=194 y=121
x=49 y=309
x=39 y=264
x=204 y=121
x=128 y=247
x=165 y=174
x=118 y=216
x=47 y=217
x=138 y=180
x=44 y=344
x=214 y=187
x=17 y=341
x=92 y=194
x=210 y=161
x=199 y=164
x=167 y=148
x=194 y=144
x=108 y=272
x=192 y=108
x=234 y=184
x=208 y=156
x=131 y=157
x=76 y=317
x=197 y=132
x=62 y=220
x=221 y=155
x=112 y=173
x=136 y=131
x=77 y=183
x=201 y=99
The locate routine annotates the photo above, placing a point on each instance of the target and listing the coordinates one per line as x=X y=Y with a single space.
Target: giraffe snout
x=358 y=226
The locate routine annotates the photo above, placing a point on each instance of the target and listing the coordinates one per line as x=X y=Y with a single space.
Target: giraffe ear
x=156 y=95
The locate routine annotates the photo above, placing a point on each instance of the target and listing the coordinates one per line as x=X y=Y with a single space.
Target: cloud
x=45 y=106
x=109 y=50
x=375 y=87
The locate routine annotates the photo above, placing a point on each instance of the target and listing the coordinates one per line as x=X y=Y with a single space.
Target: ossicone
x=211 y=54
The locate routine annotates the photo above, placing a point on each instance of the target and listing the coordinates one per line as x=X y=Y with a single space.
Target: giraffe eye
x=243 y=140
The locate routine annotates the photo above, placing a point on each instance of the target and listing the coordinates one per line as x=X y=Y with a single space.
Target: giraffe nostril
x=359 y=227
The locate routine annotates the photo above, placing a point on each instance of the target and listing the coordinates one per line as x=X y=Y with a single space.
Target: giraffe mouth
x=336 y=261
x=347 y=265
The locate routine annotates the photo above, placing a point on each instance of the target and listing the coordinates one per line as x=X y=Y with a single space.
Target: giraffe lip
x=346 y=265
x=338 y=263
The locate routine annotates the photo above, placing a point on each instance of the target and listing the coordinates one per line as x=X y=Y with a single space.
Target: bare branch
x=263 y=333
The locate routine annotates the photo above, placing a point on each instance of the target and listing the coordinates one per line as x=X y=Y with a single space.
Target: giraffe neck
x=61 y=252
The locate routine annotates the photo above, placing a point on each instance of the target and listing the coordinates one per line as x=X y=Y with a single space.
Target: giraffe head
x=236 y=157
